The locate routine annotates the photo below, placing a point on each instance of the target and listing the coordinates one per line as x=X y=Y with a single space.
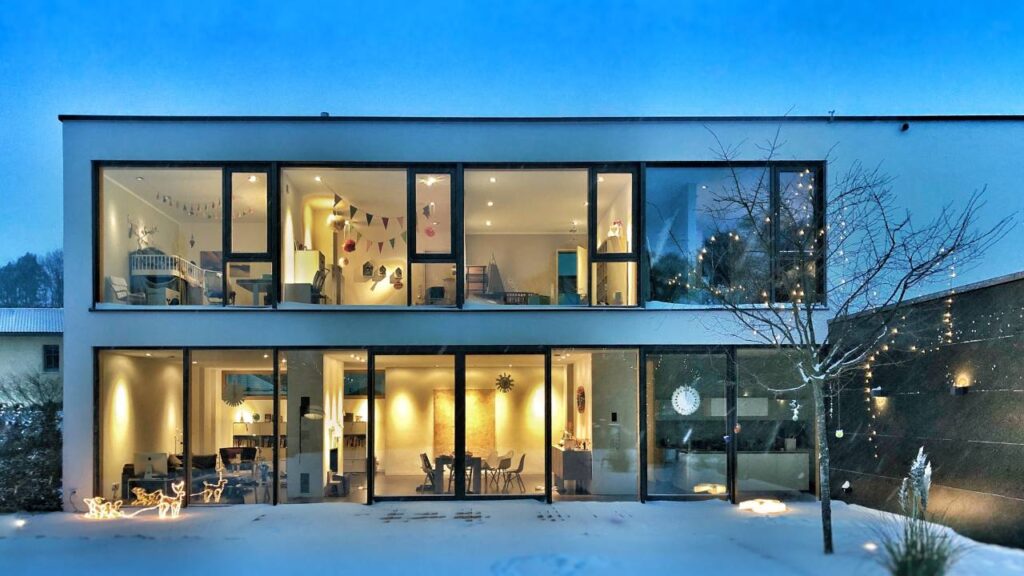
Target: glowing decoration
x=961 y=384
x=146 y=499
x=20 y=523
x=685 y=400
x=101 y=509
x=839 y=432
x=707 y=488
x=213 y=491
x=763 y=506
x=795 y=407
x=171 y=505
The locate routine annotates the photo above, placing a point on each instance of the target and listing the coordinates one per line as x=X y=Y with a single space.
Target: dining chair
x=504 y=464
x=488 y=468
x=516 y=475
x=428 y=471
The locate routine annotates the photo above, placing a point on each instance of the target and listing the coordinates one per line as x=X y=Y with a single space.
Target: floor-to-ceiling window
x=504 y=425
x=414 y=423
x=141 y=424
x=595 y=423
x=687 y=452
x=232 y=426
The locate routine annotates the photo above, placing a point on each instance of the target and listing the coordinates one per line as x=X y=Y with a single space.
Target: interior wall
x=518 y=414
x=140 y=411
x=526 y=261
x=409 y=416
x=619 y=208
x=120 y=206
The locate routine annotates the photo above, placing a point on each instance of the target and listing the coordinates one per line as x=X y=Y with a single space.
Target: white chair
x=118 y=292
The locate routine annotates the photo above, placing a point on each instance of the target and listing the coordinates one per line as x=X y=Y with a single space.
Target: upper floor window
x=184 y=236
x=51 y=358
x=742 y=235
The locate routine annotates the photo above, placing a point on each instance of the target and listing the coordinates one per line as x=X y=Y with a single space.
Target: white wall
x=526 y=261
x=24 y=354
x=933 y=163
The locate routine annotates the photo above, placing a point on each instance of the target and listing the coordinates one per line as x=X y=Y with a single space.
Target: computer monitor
x=151 y=463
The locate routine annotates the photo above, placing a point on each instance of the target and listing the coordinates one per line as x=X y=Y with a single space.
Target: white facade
x=934 y=162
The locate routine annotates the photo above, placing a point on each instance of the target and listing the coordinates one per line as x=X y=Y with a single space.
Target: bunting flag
x=405 y=236
x=359 y=236
x=385 y=219
x=380 y=247
x=401 y=221
x=369 y=218
x=337 y=200
x=392 y=242
x=352 y=211
x=369 y=243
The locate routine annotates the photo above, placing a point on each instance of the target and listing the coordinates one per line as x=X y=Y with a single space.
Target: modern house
x=356 y=309
x=30 y=341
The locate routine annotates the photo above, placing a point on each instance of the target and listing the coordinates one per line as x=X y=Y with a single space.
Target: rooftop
x=553 y=119
x=31 y=320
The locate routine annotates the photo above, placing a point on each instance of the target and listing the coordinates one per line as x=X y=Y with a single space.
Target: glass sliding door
x=686 y=423
x=232 y=426
x=414 y=424
x=594 y=424
x=504 y=426
x=324 y=397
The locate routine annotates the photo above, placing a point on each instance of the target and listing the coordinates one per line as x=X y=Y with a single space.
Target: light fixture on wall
x=879 y=392
x=961 y=384
x=310 y=411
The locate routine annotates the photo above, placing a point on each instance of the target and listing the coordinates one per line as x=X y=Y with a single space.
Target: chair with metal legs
x=515 y=475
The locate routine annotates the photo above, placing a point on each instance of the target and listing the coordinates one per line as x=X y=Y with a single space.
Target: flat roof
x=546 y=119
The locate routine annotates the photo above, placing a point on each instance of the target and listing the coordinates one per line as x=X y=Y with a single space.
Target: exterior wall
x=934 y=163
x=24 y=354
x=975 y=441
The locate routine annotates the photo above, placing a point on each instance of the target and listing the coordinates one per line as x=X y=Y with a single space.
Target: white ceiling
x=191 y=194
x=377 y=191
x=525 y=201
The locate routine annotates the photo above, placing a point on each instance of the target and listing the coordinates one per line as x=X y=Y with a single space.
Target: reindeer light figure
x=146 y=499
x=101 y=509
x=171 y=505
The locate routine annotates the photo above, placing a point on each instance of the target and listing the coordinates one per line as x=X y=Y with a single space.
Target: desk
x=472 y=462
x=257 y=286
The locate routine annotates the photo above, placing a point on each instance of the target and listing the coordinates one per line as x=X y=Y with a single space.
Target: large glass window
x=686 y=424
x=324 y=397
x=526 y=240
x=801 y=237
x=344 y=235
x=161 y=232
x=594 y=423
x=140 y=417
x=504 y=424
x=708 y=235
x=232 y=426
x=775 y=443
x=414 y=424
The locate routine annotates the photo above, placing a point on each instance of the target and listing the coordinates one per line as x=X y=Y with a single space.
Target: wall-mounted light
x=961 y=384
x=879 y=392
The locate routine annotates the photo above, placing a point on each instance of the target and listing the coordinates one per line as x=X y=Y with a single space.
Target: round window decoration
x=581 y=399
x=685 y=400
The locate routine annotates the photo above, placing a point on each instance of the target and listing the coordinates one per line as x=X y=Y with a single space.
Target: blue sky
x=479 y=58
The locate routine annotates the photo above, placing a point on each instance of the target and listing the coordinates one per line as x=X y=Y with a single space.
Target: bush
x=30 y=457
x=911 y=545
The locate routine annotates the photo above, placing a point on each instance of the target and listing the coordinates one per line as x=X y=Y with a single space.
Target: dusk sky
x=479 y=59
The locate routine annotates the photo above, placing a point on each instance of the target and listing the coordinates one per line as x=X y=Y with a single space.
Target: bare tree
x=31 y=389
x=876 y=255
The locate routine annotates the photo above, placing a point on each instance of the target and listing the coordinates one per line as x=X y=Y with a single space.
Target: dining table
x=473 y=463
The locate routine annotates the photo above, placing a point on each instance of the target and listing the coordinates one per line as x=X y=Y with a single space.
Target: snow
x=500 y=538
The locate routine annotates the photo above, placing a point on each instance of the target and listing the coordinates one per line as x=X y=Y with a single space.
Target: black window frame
x=51 y=358
x=633 y=256
x=412 y=217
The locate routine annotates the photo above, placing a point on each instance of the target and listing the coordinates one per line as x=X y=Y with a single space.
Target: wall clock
x=685 y=400
x=581 y=399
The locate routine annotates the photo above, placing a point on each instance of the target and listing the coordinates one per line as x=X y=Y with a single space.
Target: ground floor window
x=258 y=426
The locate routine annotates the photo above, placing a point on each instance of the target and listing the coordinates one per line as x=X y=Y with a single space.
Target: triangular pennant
x=352 y=211
x=369 y=218
x=385 y=219
x=401 y=221
x=368 y=244
x=392 y=242
x=405 y=236
x=380 y=247
x=337 y=199
x=359 y=236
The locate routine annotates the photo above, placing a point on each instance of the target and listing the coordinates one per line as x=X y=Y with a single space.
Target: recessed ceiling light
x=252 y=179
x=586 y=203
x=600 y=178
x=490 y=203
x=139 y=178
x=148 y=354
x=493 y=179
x=266 y=355
x=318 y=178
x=195 y=361
x=488 y=223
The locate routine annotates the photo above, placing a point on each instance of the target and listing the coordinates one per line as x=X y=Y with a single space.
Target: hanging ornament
x=192 y=241
x=795 y=407
x=839 y=432
x=504 y=383
x=349 y=245
x=342 y=262
x=430 y=232
x=385 y=220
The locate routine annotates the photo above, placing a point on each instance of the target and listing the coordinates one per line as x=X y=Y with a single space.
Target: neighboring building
x=30 y=341
x=368 y=308
x=954 y=384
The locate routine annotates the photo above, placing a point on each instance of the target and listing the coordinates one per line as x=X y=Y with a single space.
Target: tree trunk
x=823 y=464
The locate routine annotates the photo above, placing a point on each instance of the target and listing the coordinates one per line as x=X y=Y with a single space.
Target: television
x=151 y=463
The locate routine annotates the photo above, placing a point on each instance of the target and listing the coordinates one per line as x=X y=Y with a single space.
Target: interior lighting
x=763 y=506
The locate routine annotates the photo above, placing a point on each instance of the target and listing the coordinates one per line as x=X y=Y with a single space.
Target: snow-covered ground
x=522 y=537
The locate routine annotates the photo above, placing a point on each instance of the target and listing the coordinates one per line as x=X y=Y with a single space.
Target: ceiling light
x=586 y=203
x=139 y=178
x=487 y=223
x=490 y=203
x=148 y=354
x=266 y=355
x=493 y=179
x=318 y=178
x=195 y=361
x=600 y=178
